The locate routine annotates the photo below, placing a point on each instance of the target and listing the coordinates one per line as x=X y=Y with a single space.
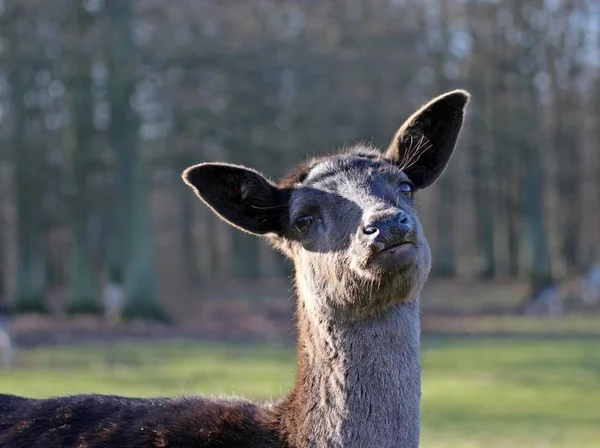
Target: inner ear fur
x=424 y=144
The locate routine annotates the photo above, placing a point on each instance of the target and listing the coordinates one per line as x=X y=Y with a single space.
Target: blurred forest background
x=104 y=103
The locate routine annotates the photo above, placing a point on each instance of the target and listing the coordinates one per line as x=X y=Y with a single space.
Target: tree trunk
x=31 y=279
x=533 y=163
x=445 y=257
x=140 y=275
x=134 y=235
x=82 y=294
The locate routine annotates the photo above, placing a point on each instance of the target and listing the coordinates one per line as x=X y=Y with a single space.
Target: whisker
x=412 y=156
x=417 y=154
x=269 y=207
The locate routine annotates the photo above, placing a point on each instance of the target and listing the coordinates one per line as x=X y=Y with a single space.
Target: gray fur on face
x=333 y=264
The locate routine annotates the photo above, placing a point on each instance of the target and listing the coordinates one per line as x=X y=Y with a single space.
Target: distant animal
x=546 y=299
x=589 y=287
x=6 y=342
x=113 y=301
x=113 y=296
x=349 y=223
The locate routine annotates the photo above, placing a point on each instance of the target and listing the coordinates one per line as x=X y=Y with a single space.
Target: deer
x=349 y=223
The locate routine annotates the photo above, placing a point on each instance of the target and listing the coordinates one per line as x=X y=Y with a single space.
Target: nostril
x=403 y=218
x=370 y=229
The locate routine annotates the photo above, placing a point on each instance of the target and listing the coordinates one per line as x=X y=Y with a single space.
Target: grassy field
x=507 y=392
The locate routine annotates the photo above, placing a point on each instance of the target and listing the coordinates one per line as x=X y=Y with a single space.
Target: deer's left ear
x=423 y=145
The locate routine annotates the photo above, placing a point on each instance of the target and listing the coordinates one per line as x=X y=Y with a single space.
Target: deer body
x=349 y=223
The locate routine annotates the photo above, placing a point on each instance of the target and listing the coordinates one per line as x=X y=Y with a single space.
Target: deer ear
x=423 y=145
x=242 y=197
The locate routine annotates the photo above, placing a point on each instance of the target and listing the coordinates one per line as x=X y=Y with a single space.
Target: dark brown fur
x=90 y=421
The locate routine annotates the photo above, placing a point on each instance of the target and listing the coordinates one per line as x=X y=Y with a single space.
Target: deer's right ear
x=242 y=197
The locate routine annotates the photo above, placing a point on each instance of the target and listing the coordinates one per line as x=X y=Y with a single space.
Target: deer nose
x=388 y=227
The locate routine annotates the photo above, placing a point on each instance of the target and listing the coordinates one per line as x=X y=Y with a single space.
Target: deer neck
x=358 y=383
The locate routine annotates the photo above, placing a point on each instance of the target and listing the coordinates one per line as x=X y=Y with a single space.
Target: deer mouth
x=395 y=256
x=397 y=246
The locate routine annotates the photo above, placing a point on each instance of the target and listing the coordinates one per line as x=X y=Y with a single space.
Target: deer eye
x=406 y=189
x=303 y=223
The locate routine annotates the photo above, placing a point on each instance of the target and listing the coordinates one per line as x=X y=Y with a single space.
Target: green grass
x=144 y=369
x=571 y=324
x=511 y=393
x=476 y=392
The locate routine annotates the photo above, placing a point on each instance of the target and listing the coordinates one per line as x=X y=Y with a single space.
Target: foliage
x=91 y=90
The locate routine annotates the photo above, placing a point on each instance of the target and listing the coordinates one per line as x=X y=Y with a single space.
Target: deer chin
x=392 y=276
x=376 y=289
x=397 y=257
x=377 y=297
